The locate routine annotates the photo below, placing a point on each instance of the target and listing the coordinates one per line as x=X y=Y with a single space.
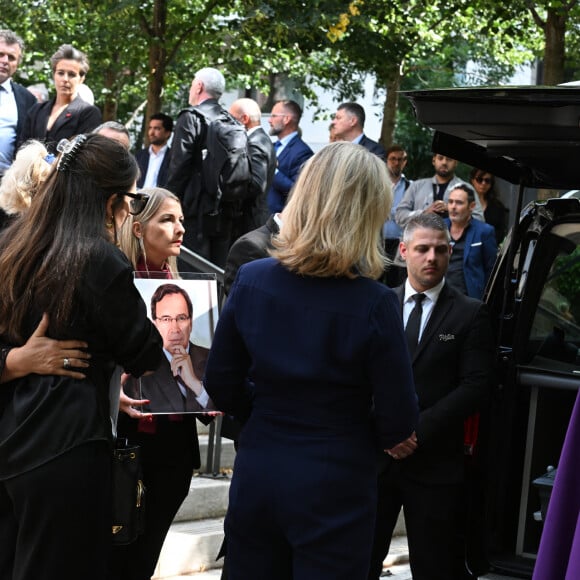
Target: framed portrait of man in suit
x=185 y=311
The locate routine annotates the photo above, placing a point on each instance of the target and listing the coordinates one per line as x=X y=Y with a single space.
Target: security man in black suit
x=450 y=340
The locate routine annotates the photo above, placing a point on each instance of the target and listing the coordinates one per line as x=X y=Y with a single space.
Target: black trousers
x=55 y=521
x=434 y=523
x=168 y=462
x=212 y=236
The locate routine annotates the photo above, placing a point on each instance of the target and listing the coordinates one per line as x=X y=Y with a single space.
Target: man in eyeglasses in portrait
x=175 y=387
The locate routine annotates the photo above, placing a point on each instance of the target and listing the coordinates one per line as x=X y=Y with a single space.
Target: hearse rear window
x=555 y=332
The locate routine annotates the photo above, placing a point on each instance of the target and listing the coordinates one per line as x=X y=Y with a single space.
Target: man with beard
x=154 y=161
x=291 y=151
x=431 y=193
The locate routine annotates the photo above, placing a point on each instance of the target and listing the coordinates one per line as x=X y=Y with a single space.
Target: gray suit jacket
x=419 y=196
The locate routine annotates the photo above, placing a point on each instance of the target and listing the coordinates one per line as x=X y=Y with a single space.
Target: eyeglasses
x=167 y=320
x=138 y=202
x=483 y=180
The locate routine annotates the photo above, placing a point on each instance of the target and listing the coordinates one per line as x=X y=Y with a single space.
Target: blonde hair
x=134 y=247
x=24 y=177
x=332 y=223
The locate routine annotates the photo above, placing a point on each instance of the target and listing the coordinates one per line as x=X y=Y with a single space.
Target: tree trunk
x=554 y=51
x=110 y=104
x=393 y=83
x=157 y=62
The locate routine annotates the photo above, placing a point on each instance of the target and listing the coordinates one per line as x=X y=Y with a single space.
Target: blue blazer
x=478 y=257
x=290 y=162
x=373 y=147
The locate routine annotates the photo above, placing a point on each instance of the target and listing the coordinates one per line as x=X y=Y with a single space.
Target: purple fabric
x=559 y=553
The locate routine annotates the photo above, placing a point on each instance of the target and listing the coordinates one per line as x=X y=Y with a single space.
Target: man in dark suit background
x=262 y=163
x=348 y=125
x=452 y=357
x=15 y=100
x=154 y=160
x=291 y=151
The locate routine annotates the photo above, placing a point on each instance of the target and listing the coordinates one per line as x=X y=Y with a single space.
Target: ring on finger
x=66 y=363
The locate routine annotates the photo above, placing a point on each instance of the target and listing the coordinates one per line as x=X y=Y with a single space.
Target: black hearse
x=529 y=136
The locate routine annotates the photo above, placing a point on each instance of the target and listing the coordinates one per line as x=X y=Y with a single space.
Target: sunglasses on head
x=480 y=179
x=137 y=203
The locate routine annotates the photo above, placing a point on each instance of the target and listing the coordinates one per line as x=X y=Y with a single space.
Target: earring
x=109 y=225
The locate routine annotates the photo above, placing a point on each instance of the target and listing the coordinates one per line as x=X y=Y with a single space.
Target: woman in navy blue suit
x=310 y=352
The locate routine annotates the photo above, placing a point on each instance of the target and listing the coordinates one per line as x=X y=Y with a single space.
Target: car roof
x=526 y=135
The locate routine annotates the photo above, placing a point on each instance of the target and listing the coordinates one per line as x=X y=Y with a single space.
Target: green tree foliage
x=143 y=52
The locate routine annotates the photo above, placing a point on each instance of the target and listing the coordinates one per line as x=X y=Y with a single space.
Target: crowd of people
x=354 y=394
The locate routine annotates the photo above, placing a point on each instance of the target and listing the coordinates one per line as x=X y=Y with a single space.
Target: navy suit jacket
x=453 y=371
x=142 y=157
x=79 y=117
x=290 y=162
x=373 y=147
x=479 y=256
x=320 y=352
x=25 y=100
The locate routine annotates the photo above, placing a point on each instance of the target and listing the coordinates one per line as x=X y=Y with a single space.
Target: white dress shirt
x=431 y=297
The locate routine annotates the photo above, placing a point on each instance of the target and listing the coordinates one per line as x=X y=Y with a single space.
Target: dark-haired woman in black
x=494 y=211
x=60 y=258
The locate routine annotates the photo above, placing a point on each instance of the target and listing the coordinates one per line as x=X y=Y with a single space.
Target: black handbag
x=128 y=493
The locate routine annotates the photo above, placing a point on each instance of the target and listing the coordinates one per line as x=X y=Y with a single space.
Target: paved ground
x=397 y=572
x=397 y=566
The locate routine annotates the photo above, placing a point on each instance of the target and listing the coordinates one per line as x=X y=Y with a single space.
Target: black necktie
x=439 y=191
x=414 y=323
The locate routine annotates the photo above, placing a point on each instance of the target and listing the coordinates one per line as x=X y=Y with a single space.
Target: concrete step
x=190 y=547
x=207 y=499
x=396 y=562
